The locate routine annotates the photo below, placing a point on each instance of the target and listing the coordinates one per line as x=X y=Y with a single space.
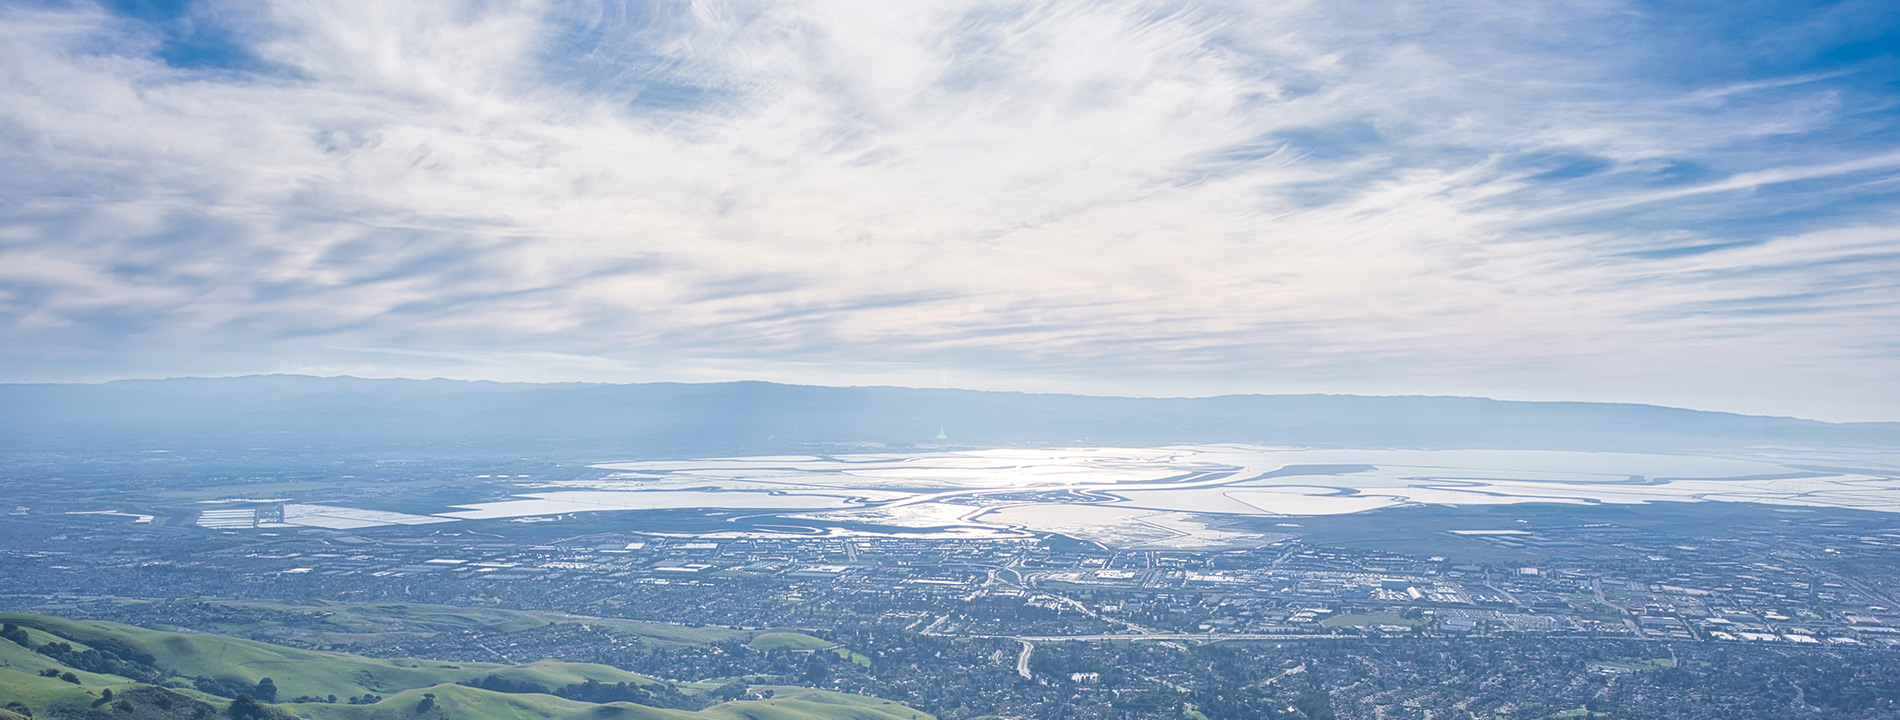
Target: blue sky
x=1690 y=204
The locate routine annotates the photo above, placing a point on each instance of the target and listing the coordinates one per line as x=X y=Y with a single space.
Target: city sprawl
x=1517 y=610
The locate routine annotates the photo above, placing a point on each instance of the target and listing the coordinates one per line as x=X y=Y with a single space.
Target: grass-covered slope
x=340 y=623
x=245 y=662
x=789 y=641
x=60 y=668
x=454 y=701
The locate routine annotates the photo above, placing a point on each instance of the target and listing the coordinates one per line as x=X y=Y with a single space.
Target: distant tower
x=940 y=435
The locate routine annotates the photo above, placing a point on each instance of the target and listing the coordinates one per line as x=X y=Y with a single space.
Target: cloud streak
x=1567 y=200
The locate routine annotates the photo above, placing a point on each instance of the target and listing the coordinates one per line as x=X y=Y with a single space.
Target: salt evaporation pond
x=560 y=503
x=1156 y=497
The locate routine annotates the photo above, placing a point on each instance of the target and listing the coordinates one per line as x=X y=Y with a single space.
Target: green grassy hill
x=454 y=701
x=335 y=625
x=66 y=668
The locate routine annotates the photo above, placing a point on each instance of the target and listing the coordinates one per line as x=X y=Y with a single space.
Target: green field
x=171 y=664
x=852 y=655
x=789 y=641
x=801 y=642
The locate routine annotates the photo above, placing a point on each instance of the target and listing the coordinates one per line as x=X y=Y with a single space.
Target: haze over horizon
x=1590 y=201
x=846 y=386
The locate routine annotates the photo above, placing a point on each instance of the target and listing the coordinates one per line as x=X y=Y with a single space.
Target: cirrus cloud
x=1592 y=200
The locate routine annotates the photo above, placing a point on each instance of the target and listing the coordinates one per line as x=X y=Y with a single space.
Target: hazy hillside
x=58 y=668
x=669 y=419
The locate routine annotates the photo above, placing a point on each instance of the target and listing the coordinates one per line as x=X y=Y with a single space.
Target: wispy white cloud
x=1545 y=200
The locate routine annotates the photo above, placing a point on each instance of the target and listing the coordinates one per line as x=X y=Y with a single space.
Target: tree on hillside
x=246 y=707
x=15 y=633
x=266 y=690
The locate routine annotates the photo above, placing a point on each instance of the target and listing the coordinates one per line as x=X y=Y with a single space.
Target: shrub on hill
x=222 y=687
x=108 y=656
x=246 y=707
x=142 y=702
x=666 y=696
x=501 y=684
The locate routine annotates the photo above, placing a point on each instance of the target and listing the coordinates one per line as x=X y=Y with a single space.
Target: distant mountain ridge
x=652 y=420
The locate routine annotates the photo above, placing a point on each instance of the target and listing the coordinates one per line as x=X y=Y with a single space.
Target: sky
x=1688 y=204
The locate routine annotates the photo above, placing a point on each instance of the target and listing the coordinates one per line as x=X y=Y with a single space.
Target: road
x=1191 y=637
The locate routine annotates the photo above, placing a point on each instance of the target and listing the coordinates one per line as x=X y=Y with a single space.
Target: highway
x=1157 y=636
